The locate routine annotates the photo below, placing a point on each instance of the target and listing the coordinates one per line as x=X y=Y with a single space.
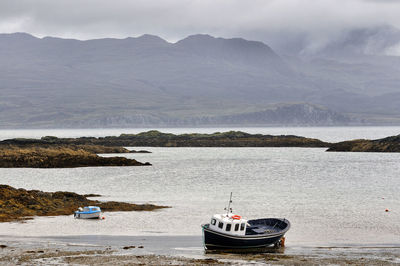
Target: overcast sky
x=175 y=19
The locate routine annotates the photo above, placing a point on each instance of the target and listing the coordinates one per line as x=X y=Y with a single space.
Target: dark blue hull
x=218 y=240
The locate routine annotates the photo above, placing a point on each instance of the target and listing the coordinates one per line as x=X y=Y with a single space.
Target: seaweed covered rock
x=39 y=143
x=58 y=157
x=17 y=204
x=389 y=144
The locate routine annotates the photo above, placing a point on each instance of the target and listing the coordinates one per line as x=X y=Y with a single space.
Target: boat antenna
x=229 y=205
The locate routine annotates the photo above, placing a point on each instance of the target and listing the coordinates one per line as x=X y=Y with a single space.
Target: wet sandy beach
x=175 y=250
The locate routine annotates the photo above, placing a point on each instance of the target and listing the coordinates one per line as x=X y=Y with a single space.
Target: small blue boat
x=89 y=212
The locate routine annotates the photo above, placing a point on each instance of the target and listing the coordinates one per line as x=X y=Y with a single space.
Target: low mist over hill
x=200 y=80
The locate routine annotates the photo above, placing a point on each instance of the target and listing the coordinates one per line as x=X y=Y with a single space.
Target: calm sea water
x=331 y=199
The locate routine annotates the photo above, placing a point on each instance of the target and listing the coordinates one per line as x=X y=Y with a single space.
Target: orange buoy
x=283 y=242
x=103 y=217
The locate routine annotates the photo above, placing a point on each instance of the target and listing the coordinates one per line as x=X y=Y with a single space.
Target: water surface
x=331 y=199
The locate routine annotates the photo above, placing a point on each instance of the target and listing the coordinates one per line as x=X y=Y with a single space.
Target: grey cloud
x=383 y=1
x=265 y=20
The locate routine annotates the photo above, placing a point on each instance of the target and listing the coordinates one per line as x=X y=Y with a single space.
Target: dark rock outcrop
x=54 y=142
x=389 y=144
x=19 y=204
x=225 y=139
x=92 y=195
x=57 y=157
x=158 y=139
x=141 y=151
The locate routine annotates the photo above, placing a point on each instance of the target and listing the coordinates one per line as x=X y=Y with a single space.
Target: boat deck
x=265 y=226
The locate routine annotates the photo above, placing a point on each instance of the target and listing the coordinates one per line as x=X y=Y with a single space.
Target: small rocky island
x=61 y=156
x=225 y=139
x=155 y=138
x=50 y=152
x=389 y=144
x=20 y=204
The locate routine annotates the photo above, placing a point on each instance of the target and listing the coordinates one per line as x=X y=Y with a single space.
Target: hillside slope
x=200 y=80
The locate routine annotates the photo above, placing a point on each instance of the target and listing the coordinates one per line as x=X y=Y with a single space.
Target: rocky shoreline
x=20 y=204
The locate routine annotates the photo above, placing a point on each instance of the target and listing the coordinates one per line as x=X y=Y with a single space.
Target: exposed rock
x=225 y=139
x=141 y=151
x=158 y=139
x=17 y=204
x=129 y=247
x=60 y=143
x=389 y=144
x=58 y=157
x=92 y=195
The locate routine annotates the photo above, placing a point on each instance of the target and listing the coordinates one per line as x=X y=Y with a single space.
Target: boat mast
x=229 y=205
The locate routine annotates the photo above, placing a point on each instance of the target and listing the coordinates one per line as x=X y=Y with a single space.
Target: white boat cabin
x=228 y=224
x=91 y=209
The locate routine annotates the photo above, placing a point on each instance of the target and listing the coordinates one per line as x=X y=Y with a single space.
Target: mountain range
x=200 y=80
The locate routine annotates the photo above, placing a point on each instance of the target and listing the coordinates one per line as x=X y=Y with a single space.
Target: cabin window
x=242 y=226
x=213 y=221
x=228 y=227
x=220 y=225
x=236 y=227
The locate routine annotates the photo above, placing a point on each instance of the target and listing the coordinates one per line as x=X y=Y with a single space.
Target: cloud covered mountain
x=347 y=42
x=200 y=80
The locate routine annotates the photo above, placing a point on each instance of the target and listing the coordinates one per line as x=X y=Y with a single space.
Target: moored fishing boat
x=230 y=231
x=89 y=212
